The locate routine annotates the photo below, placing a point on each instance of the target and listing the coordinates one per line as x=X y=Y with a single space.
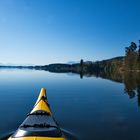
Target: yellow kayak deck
x=39 y=124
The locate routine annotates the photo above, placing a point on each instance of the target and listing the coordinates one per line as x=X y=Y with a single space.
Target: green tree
x=81 y=62
x=131 y=57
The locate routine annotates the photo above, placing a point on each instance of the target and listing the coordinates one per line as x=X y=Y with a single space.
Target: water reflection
x=90 y=107
x=131 y=81
x=132 y=85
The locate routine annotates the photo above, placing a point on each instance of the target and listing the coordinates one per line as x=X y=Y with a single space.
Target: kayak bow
x=39 y=124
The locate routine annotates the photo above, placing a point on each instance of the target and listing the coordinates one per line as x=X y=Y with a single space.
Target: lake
x=90 y=108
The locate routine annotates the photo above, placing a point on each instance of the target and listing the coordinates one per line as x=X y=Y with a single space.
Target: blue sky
x=50 y=31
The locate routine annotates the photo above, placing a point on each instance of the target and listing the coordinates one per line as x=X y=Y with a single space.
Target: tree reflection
x=138 y=94
x=131 y=81
x=132 y=85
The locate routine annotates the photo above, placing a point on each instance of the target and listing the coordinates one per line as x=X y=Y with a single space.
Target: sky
x=61 y=31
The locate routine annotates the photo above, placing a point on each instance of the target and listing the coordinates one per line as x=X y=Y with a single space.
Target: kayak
x=40 y=123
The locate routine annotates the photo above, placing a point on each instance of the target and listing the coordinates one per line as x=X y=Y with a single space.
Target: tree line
x=132 y=57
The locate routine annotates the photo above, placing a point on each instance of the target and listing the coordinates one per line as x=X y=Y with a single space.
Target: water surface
x=90 y=108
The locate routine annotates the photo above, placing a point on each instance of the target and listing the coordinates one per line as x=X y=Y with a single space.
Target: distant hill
x=85 y=68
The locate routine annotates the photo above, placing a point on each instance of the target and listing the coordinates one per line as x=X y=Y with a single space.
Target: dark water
x=86 y=109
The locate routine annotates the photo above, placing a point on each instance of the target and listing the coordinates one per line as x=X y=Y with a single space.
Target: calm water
x=87 y=109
